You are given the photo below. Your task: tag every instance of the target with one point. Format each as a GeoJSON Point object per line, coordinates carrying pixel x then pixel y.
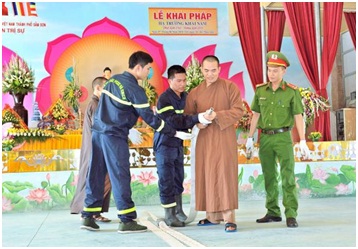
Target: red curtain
{"type": "Point", "coordinates": [332, 20]}
{"type": "Point", "coordinates": [249, 29]}
{"type": "Point", "coordinates": [301, 22]}
{"type": "Point", "coordinates": [275, 28]}
{"type": "Point", "coordinates": [351, 23]}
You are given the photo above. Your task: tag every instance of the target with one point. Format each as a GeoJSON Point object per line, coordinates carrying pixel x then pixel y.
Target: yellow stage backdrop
{"type": "Point", "coordinates": [62, 153]}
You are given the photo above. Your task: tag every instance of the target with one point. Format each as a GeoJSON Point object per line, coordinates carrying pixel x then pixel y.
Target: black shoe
{"type": "Point", "coordinates": [269, 218]}
{"type": "Point", "coordinates": [89, 224]}
{"type": "Point", "coordinates": [291, 222]}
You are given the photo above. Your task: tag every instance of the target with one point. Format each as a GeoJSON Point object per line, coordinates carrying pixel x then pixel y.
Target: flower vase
{"type": "Point", "coordinates": [241, 136]}
{"type": "Point", "coordinates": [316, 155]}
{"type": "Point", "coordinates": [19, 106]}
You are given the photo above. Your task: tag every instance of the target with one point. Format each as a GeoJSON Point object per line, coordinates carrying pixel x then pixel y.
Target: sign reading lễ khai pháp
{"type": "Point", "coordinates": [183, 21]}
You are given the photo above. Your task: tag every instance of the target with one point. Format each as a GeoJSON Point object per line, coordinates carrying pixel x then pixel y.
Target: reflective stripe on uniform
{"type": "Point", "coordinates": [169, 205]}
{"type": "Point", "coordinates": [92, 210]}
{"type": "Point", "coordinates": [116, 98]}
{"type": "Point", "coordinates": [126, 211]}
{"type": "Point", "coordinates": [167, 108]}
{"type": "Point", "coordinates": [161, 126]}
{"type": "Point", "coordinates": [179, 111]}
{"type": "Point", "coordinates": [141, 105]}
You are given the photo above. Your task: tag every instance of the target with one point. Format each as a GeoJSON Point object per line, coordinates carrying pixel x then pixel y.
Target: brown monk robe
{"type": "Point", "coordinates": [85, 156]}
{"type": "Point", "coordinates": [216, 167]}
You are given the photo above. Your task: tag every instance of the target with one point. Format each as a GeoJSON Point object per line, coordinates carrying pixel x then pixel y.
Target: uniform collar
{"type": "Point", "coordinates": [128, 74]}
{"type": "Point", "coordinates": [174, 94]}
{"type": "Point", "coordinates": [283, 85]}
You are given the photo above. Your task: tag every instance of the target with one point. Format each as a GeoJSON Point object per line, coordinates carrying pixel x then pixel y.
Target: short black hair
{"type": "Point", "coordinates": [141, 58]}
{"type": "Point", "coordinates": [98, 81]}
{"type": "Point", "coordinates": [107, 68]}
{"type": "Point", "coordinates": [210, 58]}
{"type": "Point", "coordinates": [174, 70]}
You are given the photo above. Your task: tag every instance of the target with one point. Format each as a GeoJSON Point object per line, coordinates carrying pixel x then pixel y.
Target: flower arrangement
{"type": "Point", "coordinates": [59, 128]}
{"type": "Point", "coordinates": [315, 136]}
{"type": "Point", "coordinates": [16, 136]}
{"type": "Point", "coordinates": [10, 116]}
{"type": "Point", "coordinates": [17, 77]}
{"type": "Point", "coordinates": [194, 76]}
{"type": "Point", "coordinates": [8, 144]}
{"type": "Point", "coordinates": [72, 91]}
{"type": "Point", "coordinates": [58, 113]}
{"type": "Point", "coordinates": [149, 91]}
{"type": "Point", "coordinates": [312, 103]}
{"type": "Point", "coordinates": [244, 123]}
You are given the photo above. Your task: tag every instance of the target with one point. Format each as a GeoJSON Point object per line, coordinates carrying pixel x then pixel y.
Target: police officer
{"type": "Point", "coordinates": [276, 108]}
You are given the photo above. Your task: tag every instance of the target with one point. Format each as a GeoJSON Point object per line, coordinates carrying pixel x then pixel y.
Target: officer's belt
{"type": "Point", "coordinates": [272, 132]}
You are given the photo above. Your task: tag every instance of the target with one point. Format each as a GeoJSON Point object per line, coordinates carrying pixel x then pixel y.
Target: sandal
{"type": "Point", "coordinates": [230, 225]}
{"type": "Point", "coordinates": [206, 222]}
{"type": "Point", "coordinates": [100, 218]}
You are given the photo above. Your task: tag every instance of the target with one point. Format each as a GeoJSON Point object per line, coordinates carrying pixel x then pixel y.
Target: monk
{"type": "Point", "coordinates": [216, 167]}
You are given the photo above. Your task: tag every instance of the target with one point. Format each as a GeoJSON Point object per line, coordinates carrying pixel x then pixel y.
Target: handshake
{"type": "Point", "coordinates": [205, 118]}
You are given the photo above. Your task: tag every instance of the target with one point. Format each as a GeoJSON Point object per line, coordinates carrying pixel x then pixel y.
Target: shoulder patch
{"type": "Point", "coordinates": [292, 86]}
{"type": "Point", "coordinates": [262, 84]}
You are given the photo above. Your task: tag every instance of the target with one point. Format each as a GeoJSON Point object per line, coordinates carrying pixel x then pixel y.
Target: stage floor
{"type": "Point", "coordinates": [323, 222]}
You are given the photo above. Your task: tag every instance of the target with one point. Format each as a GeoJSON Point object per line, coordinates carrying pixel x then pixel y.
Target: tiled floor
{"type": "Point", "coordinates": [326, 222]}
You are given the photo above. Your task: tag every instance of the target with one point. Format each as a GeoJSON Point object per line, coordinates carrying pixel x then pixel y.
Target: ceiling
{"type": "Point", "coordinates": [347, 6]}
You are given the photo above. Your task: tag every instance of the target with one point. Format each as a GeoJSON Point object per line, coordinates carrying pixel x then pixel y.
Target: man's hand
{"type": "Point", "coordinates": [135, 136]}
{"type": "Point", "coordinates": [203, 120]}
{"type": "Point", "coordinates": [184, 135]}
{"type": "Point", "coordinates": [201, 126]}
{"type": "Point", "coordinates": [305, 152]}
{"type": "Point", "coordinates": [210, 114]}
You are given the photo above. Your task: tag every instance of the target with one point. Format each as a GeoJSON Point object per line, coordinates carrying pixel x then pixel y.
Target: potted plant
{"type": "Point", "coordinates": [315, 136]}
{"type": "Point", "coordinates": [18, 80]}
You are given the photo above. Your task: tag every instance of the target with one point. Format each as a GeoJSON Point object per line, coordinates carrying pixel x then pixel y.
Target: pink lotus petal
{"type": "Point", "coordinates": [200, 54]}
{"type": "Point", "coordinates": [156, 50]}
{"type": "Point", "coordinates": [239, 81]}
{"type": "Point", "coordinates": [165, 84]}
{"type": "Point", "coordinates": [84, 94]}
{"type": "Point", "coordinates": [6, 55]}
{"type": "Point", "coordinates": [105, 26]}
{"type": "Point", "coordinates": [56, 47]}
{"type": "Point", "coordinates": [43, 98]}
{"type": "Point", "coordinates": [225, 68]}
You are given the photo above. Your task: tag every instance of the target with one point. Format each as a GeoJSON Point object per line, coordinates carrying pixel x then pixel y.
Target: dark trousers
{"type": "Point", "coordinates": [110, 154]}
{"type": "Point", "coordinates": [170, 169]}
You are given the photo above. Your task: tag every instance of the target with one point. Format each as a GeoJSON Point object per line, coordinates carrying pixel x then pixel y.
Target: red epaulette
{"type": "Point", "coordinates": [292, 86]}
{"type": "Point", "coordinates": [262, 84]}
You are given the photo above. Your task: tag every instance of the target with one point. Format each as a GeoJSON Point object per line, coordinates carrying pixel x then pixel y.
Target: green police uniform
{"type": "Point", "coordinates": [277, 110]}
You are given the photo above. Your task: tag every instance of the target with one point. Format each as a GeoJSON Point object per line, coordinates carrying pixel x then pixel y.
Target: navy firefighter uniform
{"type": "Point", "coordinates": [121, 103]}
{"type": "Point", "coordinates": [169, 150]}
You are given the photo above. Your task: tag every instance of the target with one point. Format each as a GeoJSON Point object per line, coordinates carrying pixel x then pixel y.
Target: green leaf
{"type": "Point", "coordinates": [302, 180]}
{"type": "Point", "coordinates": [44, 184]}
{"type": "Point", "coordinates": [15, 187]}
{"type": "Point", "coordinates": [349, 171]}
{"type": "Point", "coordinates": [333, 179]}
{"type": "Point", "coordinates": [241, 175]}
{"type": "Point", "coordinates": [251, 179]}
{"type": "Point", "coordinates": [259, 184]}
{"type": "Point", "coordinates": [344, 179]}
{"type": "Point", "coordinates": [21, 205]}
{"type": "Point", "coordinates": [56, 195]}
{"type": "Point", "coordinates": [69, 182]}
